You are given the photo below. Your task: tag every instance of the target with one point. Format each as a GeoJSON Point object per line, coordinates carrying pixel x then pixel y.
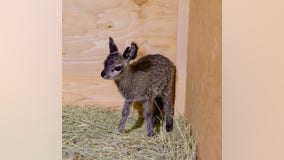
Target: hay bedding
{"type": "Point", "coordinates": [91, 133]}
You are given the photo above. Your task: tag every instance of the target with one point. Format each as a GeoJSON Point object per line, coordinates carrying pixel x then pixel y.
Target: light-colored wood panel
{"type": "Point", "coordinates": [181, 55]}
{"type": "Point", "coordinates": [204, 78]}
{"type": "Point", "coordinates": [86, 27]}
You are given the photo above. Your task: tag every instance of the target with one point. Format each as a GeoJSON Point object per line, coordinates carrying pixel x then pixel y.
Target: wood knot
{"type": "Point", "coordinates": [104, 26]}
{"type": "Point", "coordinates": [140, 3]}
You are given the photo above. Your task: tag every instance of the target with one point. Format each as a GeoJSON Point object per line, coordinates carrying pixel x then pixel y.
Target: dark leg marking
{"type": "Point", "coordinates": [125, 113]}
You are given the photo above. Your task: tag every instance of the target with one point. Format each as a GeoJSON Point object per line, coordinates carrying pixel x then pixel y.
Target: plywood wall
{"type": "Point", "coordinates": [86, 27]}
{"type": "Point", "coordinates": [204, 78]}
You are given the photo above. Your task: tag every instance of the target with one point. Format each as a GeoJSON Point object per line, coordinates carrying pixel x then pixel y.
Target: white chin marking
{"type": "Point", "coordinates": [106, 77]}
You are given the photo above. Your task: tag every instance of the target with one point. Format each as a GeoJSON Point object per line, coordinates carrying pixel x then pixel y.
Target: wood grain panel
{"type": "Point", "coordinates": [204, 78]}
{"type": "Point", "coordinates": [86, 27]}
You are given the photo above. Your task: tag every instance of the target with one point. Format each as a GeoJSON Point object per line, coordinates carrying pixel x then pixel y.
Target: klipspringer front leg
{"type": "Point", "coordinates": [148, 115]}
{"type": "Point", "coordinates": [125, 113]}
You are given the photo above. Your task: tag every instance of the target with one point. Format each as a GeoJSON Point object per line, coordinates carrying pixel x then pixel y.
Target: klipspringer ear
{"type": "Point", "coordinates": [112, 46]}
{"type": "Point", "coordinates": [130, 53]}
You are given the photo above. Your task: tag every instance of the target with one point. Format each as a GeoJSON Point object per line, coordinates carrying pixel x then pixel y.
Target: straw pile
{"type": "Point", "coordinates": [91, 133]}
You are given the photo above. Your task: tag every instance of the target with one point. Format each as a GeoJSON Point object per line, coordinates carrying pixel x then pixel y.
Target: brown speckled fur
{"type": "Point", "coordinates": [142, 81]}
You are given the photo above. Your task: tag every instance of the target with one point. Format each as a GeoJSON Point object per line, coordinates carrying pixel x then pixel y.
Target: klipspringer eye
{"type": "Point", "coordinates": [118, 68]}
